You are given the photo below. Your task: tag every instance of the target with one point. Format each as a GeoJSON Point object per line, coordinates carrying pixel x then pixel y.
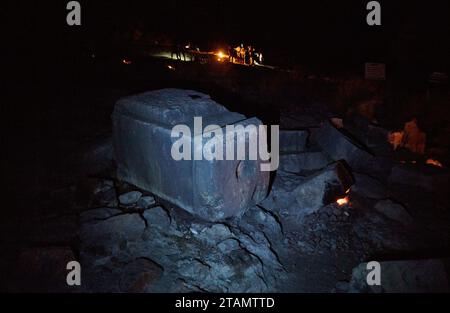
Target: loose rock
{"type": "Point", "coordinates": [130, 198]}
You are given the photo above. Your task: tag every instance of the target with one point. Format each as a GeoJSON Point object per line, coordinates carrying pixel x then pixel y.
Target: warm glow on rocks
{"type": "Point", "coordinates": [434, 162]}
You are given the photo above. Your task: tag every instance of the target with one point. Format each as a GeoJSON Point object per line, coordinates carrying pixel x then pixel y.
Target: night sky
{"type": "Point", "coordinates": [291, 32]}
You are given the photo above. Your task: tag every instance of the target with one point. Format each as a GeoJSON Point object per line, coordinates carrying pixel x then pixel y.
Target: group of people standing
{"type": "Point", "coordinates": [179, 51]}
{"type": "Point", "coordinates": [242, 54]}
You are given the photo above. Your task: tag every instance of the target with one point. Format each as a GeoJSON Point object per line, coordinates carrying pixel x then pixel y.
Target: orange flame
{"type": "Point", "coordinates": [342, 201]}
{"type": "Point", "coordinates": [434, 162]}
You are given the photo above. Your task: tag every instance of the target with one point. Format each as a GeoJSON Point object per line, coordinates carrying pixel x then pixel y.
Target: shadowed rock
{"type": "Point", "coordinates": [293, 196]}
{"type": "Point", "coordinates": [293, 140]}
{"type": "Point", "coordinates": [341, 146]}
{"type": "Point", "coordinates": [303, 162]}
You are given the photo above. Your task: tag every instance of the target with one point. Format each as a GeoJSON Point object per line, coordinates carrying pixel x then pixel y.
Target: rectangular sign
{"type": "Point", "coordinates": [375, 71]}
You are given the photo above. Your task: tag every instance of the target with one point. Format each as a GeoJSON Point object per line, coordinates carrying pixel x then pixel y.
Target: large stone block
{"type": "Point", "coordinates": [340, 145]}
{"type": "Point", "coordinates": [303, 162]}
{"type": "Point", "coordinates": [210, 189]}
{"type": "Point", "coordinates": [293, 140]}
{"type": "Point", "coordinates": [323, 188]}
{"type": "Point", "coordinates": [293, 196]}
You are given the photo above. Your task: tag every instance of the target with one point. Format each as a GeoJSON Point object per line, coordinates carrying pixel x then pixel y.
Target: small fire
{"type": "Point", "coordinates": [220, 56]}
{"type": "Point", "coordinates": [434, 162]}
{"type": "Point", "coordinates": [127, 62]}
{"type": "Point", "coordinates": [342, 201]}
{"type": "Point", "coordinates": [170, 67]}
{"type": "Point", "coordinates": [411, 138]}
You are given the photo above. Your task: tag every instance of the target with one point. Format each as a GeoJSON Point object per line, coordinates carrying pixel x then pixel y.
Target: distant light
{"type": "Point", "coordinates": [170, 67]}
{"type": "Point", "coordinates": [127, 62]}
{"type": "Point", "coordinates": [220, 56]}
{"type": "Point", "coordinates": [434, 162]}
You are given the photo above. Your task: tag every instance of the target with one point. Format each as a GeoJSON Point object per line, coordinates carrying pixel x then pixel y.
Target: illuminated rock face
{"type": "Point", "coordinates": [211, 189]}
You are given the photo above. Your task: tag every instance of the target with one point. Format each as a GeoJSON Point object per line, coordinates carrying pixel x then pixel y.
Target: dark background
{"type": "Point", "coordinates": [414, 35]}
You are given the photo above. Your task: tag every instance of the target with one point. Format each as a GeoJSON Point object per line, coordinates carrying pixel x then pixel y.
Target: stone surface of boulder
{"type": "Point", "coordinates": [211, 189]}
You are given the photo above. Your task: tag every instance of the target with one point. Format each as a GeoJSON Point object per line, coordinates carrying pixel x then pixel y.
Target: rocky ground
{"type": "Point", "coordinates": [299, 239]}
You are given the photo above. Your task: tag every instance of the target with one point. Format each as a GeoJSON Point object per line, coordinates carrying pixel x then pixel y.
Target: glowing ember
{"type": "Point", "coordinates": [342, 201]}
{"type": "Point", "coordinates": [127, 62]}
{"type": "Point", "coordinates": [434, 162]}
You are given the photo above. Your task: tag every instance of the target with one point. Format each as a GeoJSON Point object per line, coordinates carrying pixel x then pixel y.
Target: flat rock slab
{"type": "Point", "coordinates": [130, 197]}
{"type": "Point", "coordinates": [341, 146]}
{"type": "Point", "coordinates": [293, 140]}
{"type": "Point", "coordinates": [303, 162]}
{"type": "Point", "coordinates": [427, 177]}
{"type": "Point", "coordinates": [293, 196]}
{"type": "Point", "coordinates": [369, 187]}
{"type": "Point", "coordinates": [394, 211]}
